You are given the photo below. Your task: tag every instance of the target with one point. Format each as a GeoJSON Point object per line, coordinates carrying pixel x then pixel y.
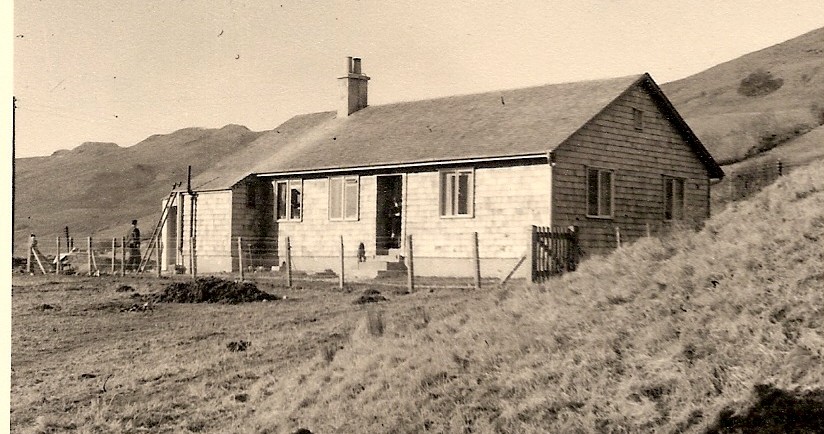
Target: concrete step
{"type": "Point", "coordinates": [377, 266]}
{"type": "Point", "coordinates": [391, 274]}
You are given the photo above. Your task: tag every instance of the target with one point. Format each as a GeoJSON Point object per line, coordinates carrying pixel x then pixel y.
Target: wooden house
{"type": "Point", "coordinates": [594, 154]}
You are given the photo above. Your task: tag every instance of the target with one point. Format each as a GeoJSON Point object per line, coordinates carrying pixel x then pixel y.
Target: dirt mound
{"type": "Point", "coordinates": [370, 296]}
{"type": "Point", "coordinates": [238, 346]}
{"type": "Point", "coordinates": [212, 290]}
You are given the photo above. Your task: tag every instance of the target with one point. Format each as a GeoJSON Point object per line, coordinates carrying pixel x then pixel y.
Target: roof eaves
{"type": "Point", "coordinates": [413, 164]}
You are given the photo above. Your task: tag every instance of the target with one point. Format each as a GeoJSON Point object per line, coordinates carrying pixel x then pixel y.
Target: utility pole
{"type": "Point", "coordinates": [13, 171]}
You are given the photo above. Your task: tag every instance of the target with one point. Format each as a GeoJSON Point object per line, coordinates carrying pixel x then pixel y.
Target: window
{"type": "Point", "coordinates": [344, 192]}
{"type": "Point", "coordinates": [673, 198]}
{"type": "Point", "coordinates": [599, 193]}
{"type": "Point", "coordinates": [289, 200]}
{"type": "Point", "coordinates": [638, 118]}
{"type": "Point", "coordinates": [457, 192]}
{"type": "Point", "coordinates": [251, 195]}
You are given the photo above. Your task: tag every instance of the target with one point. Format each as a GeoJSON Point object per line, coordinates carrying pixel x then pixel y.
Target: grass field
{"type": "Point", "coordinates": [720, 330]}
{"type": "Point", "coordinates": [169, 369]}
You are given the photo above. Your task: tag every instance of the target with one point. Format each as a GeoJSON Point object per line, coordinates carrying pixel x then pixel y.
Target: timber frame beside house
{"type": "Point", "coordinates": [592, 154]}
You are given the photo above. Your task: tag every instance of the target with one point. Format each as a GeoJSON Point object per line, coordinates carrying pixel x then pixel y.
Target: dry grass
{"type": "Point", "coordinates": [664, 335]}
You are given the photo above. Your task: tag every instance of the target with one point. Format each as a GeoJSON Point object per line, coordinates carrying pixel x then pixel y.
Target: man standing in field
{"type": "Point", "coordinates": [133, 243]}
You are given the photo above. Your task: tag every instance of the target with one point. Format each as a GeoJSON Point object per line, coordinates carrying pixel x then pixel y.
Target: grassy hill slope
{"type": "Point", "coordinates": [678, 334]}
{"type": "Point", "coordinates": [756, 100]}
{"type": "Point", "coordinates": [96, 189]}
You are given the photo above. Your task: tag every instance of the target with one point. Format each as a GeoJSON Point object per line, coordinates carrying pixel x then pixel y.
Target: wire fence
{"type": "Point", "coordinates": [389, 261]}
{"type": "Point", "coordinates": [419, 262]}
{"type": "Point", "coordinates": [742, 182]}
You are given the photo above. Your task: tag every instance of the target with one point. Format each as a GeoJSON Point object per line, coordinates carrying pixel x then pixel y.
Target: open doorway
{"type": "Point", "coordinates": [389, 213]}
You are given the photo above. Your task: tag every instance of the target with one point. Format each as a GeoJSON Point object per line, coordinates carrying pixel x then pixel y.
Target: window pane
{"type": "Point", "coordinates": [351, 195]}
{"type": "Point", "coordinates": [282, 204]}
{"type": "Point", "coordinates": [605, 193]}
{"type": "Point", "coordinates": [638, 118]}
{"type": "Point", "coordinates": [448, 194]}
{"type": "Point", "coordinates": [592, 192]}
{"type": "Point", "coordinates": [335, 198]}
{"type": "Point", "coordinates": [678, 198]}
{"type": "Point", "coordinates": [296, 199]}
{"type": "Point", "coordinates": [463, 194]}
{"type": "Point", "coordinates": [668, 195]}
{"type": "Point", "coordinates": [444, 195]}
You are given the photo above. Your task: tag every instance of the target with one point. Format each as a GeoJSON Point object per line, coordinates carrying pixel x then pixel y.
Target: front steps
{"type": "Point", "coordinates": [380, 266]}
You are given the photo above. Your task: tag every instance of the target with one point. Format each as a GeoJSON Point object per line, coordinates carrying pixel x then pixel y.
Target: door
{"type": "Point", "coordinates": [389, 213]}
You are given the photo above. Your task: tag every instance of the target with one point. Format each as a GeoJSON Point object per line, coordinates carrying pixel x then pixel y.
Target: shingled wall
{"type": "Point", "coordinates": [640, 159]}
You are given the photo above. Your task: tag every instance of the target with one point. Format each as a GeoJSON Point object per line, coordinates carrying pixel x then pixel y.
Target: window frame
{"type": "Point", "coordinates": [288, 212]}
{"type": "Point", "coordinates": [671, 201]}
{"type": "Point", "coordinates": [612, 177]}
{"type": "Point", "coordinates": [251, 195]}
{"type": "Point", "coordinates": [638, 118]}
{"type": "Point", "coordinates": [470, 196]}
{"type": "Point", "coordinates": [343, 196]}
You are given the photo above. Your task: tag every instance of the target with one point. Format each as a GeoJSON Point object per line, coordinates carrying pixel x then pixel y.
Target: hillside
{"type": "Point", "coordinates": [720, 329]}
{"type": "Point", "coordinates": [756, 100]}
{"type": "Point", "coordinates": [96, 189]}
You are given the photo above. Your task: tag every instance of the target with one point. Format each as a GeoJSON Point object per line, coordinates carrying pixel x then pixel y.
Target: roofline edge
{"type": "Point", "coordinates": [405, 165]}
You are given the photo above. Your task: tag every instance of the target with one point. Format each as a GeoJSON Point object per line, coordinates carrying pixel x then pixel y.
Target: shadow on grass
{"type": "Point", "coordinates": [776, 411]}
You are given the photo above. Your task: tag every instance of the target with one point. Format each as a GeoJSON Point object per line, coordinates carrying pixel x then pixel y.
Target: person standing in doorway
{"type": "Point", "coordinates": [133, 243]}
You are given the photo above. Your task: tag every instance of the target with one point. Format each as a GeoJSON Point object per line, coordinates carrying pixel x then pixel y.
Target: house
{"type": "Point", "coordinates": [594, 154]}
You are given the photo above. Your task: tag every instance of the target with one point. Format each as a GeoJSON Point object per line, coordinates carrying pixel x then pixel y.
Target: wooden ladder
{"type": "Point", "coordinates": [158, 230]}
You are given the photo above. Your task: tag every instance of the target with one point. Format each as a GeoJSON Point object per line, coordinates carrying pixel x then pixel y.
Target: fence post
{"type": "Point", "coordinates": [410, 265]}
{"type": "Point", "coordinates": [89, 242]}
{"type": "Point", "coordinates": [572, 255]}
{"type": "Point", "coordinates": [649, 233]}
{"type": "Point", "coordinates": [288, 262]}
{"type": "Point", "coordinates": [28, 257]}
{"type": "Point", "coordinates": [476, 260]}
{"type": "Point", "coordinates": [533, 240]}
{"type": "Point", "coordinates": [57, 258]}
{"type": "Point", "coordinates": [240, 258]}
{"type": "Point", "coordinates": [123, 256]}
{"type": "Point", "coordinates": [114, 254]}
{"type": "Point", "coordinates": [618, 237]}
{"type": "Point", "coordinates": [341, 278]}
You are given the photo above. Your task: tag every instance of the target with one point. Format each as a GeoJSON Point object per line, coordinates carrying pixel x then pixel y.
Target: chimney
{"type": "Point", "coordinates": [352, 88]}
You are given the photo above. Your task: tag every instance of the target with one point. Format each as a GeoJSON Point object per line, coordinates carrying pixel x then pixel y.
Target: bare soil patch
{"type": "Point", "coordinates": [370, 296]}
{"type": "Point", "coordinates": [213, 290]}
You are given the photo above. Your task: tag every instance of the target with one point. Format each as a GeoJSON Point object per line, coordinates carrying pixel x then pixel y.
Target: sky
{"type": "Point", "coordinates": [120, 71]}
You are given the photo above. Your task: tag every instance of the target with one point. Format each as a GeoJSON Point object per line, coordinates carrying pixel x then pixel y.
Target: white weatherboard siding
{"type": "Point", "coordinates": [213, 211]}
{"type": "Point", "coordinates": [213, 231]}
{"type": "Point", "coordinates": [507, 200]}
{"type": "Point", "coordinates": [315, 239]}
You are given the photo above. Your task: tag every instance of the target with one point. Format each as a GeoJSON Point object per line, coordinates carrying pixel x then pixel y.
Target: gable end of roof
{"type": "Point", "coordinates": [668, 109]}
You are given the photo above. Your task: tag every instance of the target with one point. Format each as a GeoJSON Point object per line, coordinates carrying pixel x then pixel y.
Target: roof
{"type": "Point", "coordinates": [229, 171]}
{"type": "Point", "coordinates": [508, 123]}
